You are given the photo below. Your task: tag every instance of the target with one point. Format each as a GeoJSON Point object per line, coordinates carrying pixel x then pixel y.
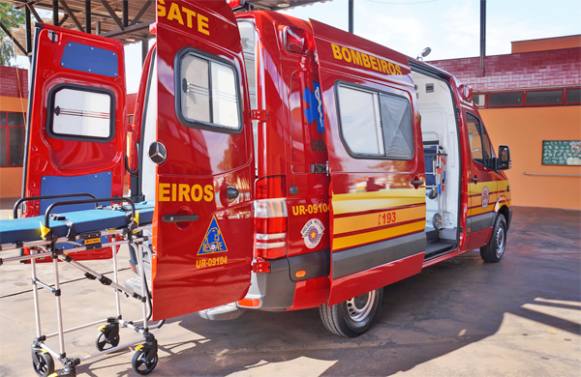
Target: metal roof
{"type": "Point", "coordinates": [122, 19]}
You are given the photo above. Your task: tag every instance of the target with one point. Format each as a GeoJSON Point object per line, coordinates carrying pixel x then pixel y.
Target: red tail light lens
{"type": "Point", "coordinates": [270, 187]}
{"type": "Point", "coordinates": [270, 218]}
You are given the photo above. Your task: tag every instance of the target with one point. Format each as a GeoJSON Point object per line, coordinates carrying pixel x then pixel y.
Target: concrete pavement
{"type": "Point", "coordinates": [521, 317]}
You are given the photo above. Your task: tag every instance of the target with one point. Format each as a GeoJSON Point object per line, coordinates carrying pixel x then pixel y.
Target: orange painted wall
{"type": "Point", "coordinates": [10, 182]}
{"type": "Point", "coordinates": [11, 177]}
{"type": "Point", "coordinates": [524, 129]}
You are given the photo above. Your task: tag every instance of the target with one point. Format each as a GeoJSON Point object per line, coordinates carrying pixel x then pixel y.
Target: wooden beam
{"type": "Point", "coordinates": [55, 12]}
{"type": "Point", "coordinates": [30, 6]}
{"type": "Point", "coordinates": [112, 14]}
{"type": "Point", "coordinates": [125, 13]}
{"type": "Point", "coordinates": [7, 32]}
{"type": "Point", "coordinates": [63, 19]}
{"type": "Point", "coordinates": [71, 14]}
{"type": "Point", "coordinates": [142, 11]}
{"type": "Point", "coordinates": [88, 16]}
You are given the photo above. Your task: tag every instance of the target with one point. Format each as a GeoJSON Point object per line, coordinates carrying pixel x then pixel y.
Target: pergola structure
{"type": "Point", "coordinates": [122, 19]}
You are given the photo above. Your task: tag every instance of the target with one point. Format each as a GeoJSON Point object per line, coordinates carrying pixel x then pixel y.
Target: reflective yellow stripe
{"type": "Point", "coordinates": [366, 201]}
{"type": "Point", "coordinates": [480, 210]}
{"type": "Point", "coordinates": [377, 235]}
{"type": "Point", "coordinates": [372, 220]}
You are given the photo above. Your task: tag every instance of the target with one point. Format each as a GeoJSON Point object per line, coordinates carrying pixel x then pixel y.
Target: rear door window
{"type": "Point", "coordinates": [78, 112]}
{"type": "Point", "coordinates": [209, 93]}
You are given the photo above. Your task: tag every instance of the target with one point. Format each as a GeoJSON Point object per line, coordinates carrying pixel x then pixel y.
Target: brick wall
{"type": "Point", "coordinates": [528, 70]}
{"type": "Point", "coordinates": [13, 82]}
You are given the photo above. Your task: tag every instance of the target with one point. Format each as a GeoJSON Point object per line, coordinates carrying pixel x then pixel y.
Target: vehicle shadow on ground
{"type": "Point", "coordinates": [447, 307]}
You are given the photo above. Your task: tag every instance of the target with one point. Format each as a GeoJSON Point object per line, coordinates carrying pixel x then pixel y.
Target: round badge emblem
{"type": "Point", "coordinates": [312, 233]}
{"type": "Point", "coordinates": [485, 197]}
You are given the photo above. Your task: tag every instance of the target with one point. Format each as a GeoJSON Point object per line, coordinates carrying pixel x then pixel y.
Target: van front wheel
{"type": "Point", "coordinates": [352, 317]}
{"type": "Point", "coordinates": [493, 251]}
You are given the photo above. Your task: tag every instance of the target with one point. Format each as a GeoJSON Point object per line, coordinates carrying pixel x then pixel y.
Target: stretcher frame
{"type": "Point", "coordinates": [145, 357]}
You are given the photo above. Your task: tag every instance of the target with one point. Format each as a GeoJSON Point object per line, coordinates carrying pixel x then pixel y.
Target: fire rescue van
{"type": "Point", "coordinates": [275, 164]}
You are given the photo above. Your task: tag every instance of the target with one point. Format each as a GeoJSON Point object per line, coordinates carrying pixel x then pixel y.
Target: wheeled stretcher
{"type": "Point", "coordinates": [58, 236]}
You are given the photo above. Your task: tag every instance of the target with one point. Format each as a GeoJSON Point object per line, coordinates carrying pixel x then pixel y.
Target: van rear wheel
{"type": "Point", "coordinates": [493, 251]}
{"type": "Point", "coordinates": [352, 317]}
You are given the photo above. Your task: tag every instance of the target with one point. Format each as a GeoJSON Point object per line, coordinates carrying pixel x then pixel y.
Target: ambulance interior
{"type": "Point", "coordinates": [442, 159]}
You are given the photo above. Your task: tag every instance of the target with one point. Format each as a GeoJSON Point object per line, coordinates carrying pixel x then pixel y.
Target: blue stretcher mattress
{"type": "Point", "coordinates": [93, 220]}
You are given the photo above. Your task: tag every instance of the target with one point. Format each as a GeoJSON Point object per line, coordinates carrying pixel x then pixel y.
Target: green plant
{"type": "Point", "coordinates": [10, 17]}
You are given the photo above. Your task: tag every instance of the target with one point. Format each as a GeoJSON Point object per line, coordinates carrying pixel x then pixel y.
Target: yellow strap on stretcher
{"type": "Point", "coordinates": [44, 231]}
{"type": "Point", "coordinates": [136, 218]}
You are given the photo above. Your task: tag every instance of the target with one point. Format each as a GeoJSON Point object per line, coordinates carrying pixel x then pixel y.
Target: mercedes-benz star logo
{"type": "Point", "coordinates": [157, 152]}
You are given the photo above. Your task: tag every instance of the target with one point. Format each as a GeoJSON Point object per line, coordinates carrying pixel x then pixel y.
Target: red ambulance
{"type": "Point", "coordinates": [293, 165]}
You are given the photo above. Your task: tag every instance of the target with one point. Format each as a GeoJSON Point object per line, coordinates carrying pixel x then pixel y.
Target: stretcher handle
{"type": "Point", "coordinates": [31, 198]}
{"type": "Point", "coordinates": [87, 201]}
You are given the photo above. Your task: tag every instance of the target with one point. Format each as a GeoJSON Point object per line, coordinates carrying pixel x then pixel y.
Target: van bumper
{"type": "Point", "coordinates": [275, 290]}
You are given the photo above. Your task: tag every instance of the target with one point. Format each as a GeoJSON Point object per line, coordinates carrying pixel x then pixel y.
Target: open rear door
{"type": "Point", "coordinates": [76, 122]}
{"type": "Point", "coordinates": [76, 129]}
{"type": "Point", "coordinates": [203, 210]}
{"type": "Point", "coordinates": [376, 169]}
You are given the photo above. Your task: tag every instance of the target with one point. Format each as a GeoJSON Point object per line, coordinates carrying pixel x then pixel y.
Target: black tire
{"type": "Point", "coordinates": [42, 362]}
{"type": "Point", "coordinates": [353, 317]}
{"type": "Point", "coordinates": [494, 250]}
{"type": "Point", "coordinates": [105, 342]}
{"type": "Point", "coordinates": [144, 361]}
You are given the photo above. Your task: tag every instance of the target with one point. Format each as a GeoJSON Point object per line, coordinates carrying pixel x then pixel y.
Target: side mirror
{"type": "Point", "coordinates": [503, 159]}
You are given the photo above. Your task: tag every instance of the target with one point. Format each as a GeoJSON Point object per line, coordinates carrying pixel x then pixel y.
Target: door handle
{"type": "Point", "coordinates": [417, 182]}
{"type": "Point", "coordinates": [179, 218]}
{"type": "Point", "coordinates": [232, 192]}
{"type": "Point", "coordinates": [475, 178]}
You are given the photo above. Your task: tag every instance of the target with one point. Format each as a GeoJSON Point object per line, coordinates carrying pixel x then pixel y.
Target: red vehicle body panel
{"type": "Point", "coordinates": [57, 164]}
{"type": "Point", "coordinates": [186, 278]}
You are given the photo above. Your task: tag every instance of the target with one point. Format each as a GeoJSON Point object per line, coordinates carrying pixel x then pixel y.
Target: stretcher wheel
{"type": "Point", "coordinates": [144, 359]}
{"type": "Point", "coordinates": [108, 337]}
{"type": "Point", "coordinates": [42, 362]}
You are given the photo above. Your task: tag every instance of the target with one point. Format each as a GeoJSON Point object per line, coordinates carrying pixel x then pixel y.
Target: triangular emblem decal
{"type": "Point", "coordinates": [213, 240]}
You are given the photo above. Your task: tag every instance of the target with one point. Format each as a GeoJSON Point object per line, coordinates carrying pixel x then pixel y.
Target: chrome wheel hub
{"type": "Point", "coordinates": [359, 308]}
{"type": "Point", "coordinates": [500, 242]}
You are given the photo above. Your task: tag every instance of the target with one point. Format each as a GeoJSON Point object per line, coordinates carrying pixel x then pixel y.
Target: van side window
{"type": "Point", "coordinates": [479, 142]}
{"type": "Point", "coordinates": [396, 119]}
{"type": "Point", "coordinates": [208, 92]}
{"type": "Point", "coordinates": [375, 124]}
{"type": "Point", "coordinates": [360, 124]}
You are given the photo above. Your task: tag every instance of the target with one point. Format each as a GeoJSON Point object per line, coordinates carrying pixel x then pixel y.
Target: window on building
{"type": "Point", "coordinates": [480, 100]}
{"type": "Point", "coordinates": [375, 124]}
{"type": "Point", "coordinates": [574, 96]}
{"type": "Point", "coordinates": [544, 97]}
{"type": "Point", "coordinates": [503, 99]}
{"type": "Point", "coordinates": [209, 93]}
{"type": "Point", "coordinates": [12, 137]}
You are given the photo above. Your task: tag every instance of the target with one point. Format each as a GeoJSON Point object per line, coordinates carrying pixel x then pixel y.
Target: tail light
{"type": "Point", "coordinates": [270, 218]}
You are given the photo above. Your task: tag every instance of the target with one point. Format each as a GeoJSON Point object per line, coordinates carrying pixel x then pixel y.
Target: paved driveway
{"type": "Point", "coordinates": [521, 317]}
